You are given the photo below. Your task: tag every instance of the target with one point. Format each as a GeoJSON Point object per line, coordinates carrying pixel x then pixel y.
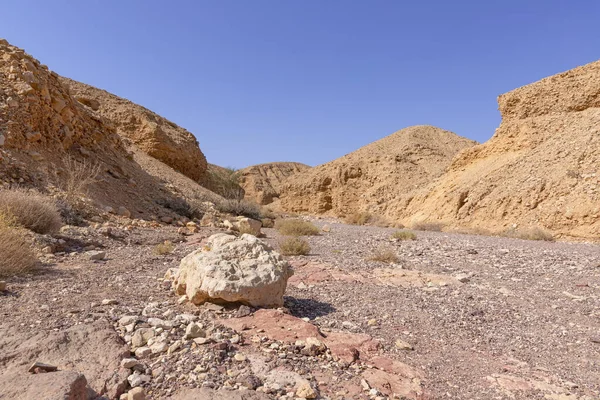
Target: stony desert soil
{"type": "Point", "coordinates": [486, 317]}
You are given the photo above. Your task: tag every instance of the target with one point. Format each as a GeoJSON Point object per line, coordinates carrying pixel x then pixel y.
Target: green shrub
{"type": "Point", "coordinates": [404, 235]}
{"type": "Point", "coordinates": [296, 227]}
{"type": "Point", "coordinates": [31, 210]}
{"type": "Point", "coordinates": [294, 246]}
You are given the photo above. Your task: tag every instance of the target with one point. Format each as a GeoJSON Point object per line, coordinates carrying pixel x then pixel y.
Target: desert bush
{"type": "Point", "coordinates": [296, 227]}
{"type": "Point", "coordinates": [164, 248]}
{"type": "Point", "coordinates": [404, 235]}
{"type": "Point", "coordinates": [384, 254]}
{"type": "Point", "coordinates": [294, 246]}
{"type": "Point", "coordinates": [428, 226]}
{"type": "Point", "coordinates": [31, 210]}
{"type": "Point", "coordinates": [239, 207]}
{"type": "Point", "coordinates": [16, 254]}
{"type": "Point", "coordinates": [359, 218]}
{"type": "Point", "coordinates": [534, 233]}
{"type": "Point", "coordinates": [76, 176]}
{"type": "Point", "coordinates": [267, 222]}
{"type": "Point", "coordinates": [225, 182]}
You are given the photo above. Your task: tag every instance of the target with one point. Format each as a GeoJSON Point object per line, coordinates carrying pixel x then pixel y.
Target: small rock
{"type": "Point", "coordinates": [136, 379]}
{"type": "Point", "coordinates": [39, 367]}
{"type": "Point", "coordinates": [128, 320]}
{"type": "Point", "coordinates": [402, 345]}
{"type": "Point", "coordinates": [129, 362]}
{"type": "Point", "coordinates": [2, 286]}
{"type": "Point", "coordinates": [463, 278]}
{"type": "Point", "coordinates": [194, 330]}
{"type": "Point", "coordinates": [304, 390]}
{"type": "Point", "coordinates": [109, 302]}
{"type": "Point", "coordinates": [326, 228]}
{"type": "Point", "coordinates": [159, 347]}
{"type": "Point", "coordinates": [96, 255]}
{"type": "Point", "coordinates": [239, 357]}
{"type": "Point", "coordinates": [137, 393]}
{"type": "Point", "coordinates": [143, 352]}
{"type": "Point", "coordinates": [122, 211]}
{"type": "Point", "coordinates": [372, 322]}
{"type": "Point", "coordinates": [243, 311]}
{"type": "Point", "coordinates": [202, 340]}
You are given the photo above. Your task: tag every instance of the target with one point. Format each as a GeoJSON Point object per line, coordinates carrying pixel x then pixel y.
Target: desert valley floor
{"type": "Point", "coordinates": [458, 317]}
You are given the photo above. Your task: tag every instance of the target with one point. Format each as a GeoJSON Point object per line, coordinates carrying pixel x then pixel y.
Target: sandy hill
{"type": "Point", "coordinates": [151, 133]}
{"type": "Point", "coordinates": [262, 183]}
{"type": "Point", "coordinates": [540, 169]}
{"type": "Point", "coordinates": [379, 178]}
{"type": "Point", "coordinates": [42, 125]}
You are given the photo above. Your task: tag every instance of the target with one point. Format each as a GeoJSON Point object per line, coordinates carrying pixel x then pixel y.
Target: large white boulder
{"type": "Point", "coordinates": [230, 269]}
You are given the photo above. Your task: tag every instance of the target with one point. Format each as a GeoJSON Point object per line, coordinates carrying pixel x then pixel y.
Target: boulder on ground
{"type": "Point", "coordinates": [248, 225]}
{"type": "Point", "coordinates": [237, 270]}
{"type": "Point", "coordinates": [68, 385]}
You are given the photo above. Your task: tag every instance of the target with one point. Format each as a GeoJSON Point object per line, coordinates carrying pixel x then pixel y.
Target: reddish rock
{"type": "Point", "coordinates": [348, 347]}
{"type": "Point", "coordinates": [276, 325]}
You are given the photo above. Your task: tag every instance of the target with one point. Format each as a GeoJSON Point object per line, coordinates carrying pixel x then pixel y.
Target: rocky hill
{"type": "Point", "coordinates": [44, 129]}
{"type": "Point", "coordinates": [380, 177]}
{"type": "Point", "coordinates": [540, 169]}
{"type": "Point", "coordinates": [151, 133]}
{"type": "Point", "coordinates": [262, 183]}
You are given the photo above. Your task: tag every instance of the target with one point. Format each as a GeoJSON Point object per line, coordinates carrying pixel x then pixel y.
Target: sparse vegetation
{"type": "Point", "coordinates": [404, 235]}
{"type": "Point", "coordinates": [294, 246]}
{"type": "Point", "coordinates": [30, 210]}
{"type": "Point", "coordinates": [76, 177]}
{"type": "Point", "coordinates": [225, 182]}
{"type": "Point", "coordinates": [296, 227]}
{"type": "Point", "coordinates": [164, 248]}
{"type": "Point", "coordinates": [267, 222]}
{"type": "Point", "coordinates": [359, 218]}
{"type": "Point", "coordinates": [428, 226]}
{"type": "Point", "coordinates": [16, 255]}
{"type": "Point", "coordinates": [533, 233]}
{"type": "Point", "coordinates": [239, 207]}
{"type": "Point", "coordinates": [384, 254]}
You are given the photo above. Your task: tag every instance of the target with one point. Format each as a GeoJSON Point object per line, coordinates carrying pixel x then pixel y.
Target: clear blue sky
{"type": "Point", "coordinates": [307, 80]}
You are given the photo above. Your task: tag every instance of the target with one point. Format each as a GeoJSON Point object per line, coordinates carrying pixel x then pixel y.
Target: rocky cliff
{"type": "Point", "coordinates": [151, 133]}
{"type": "Point", "coordinates": [262, 183]}
{"type": "Point", "coordinates": [380, 177]}
{"type": "Point", "coordinates": [540, 169]}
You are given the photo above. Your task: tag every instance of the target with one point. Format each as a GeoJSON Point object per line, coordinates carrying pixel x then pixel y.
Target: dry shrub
{"type": "Point", "coordinates": [77, 176]}
{"type": "Point", "coordinates": [294, 246]}
{"type": "Point", "coordinates": [384, 254]}
{"type": "Point", "coordinates": [239, 207]}
{"type": "Point", "coordinates": [164, 248]}
{"type": "Point", "coordinates": [474, 231]}
{"type": "Point", "coordinates": [31, 210]}
{"type": "Point", "coordinates": [404, 235]}
{"type": "Point", "coordinates": [428, 226]}
{"type": "Point", "coordinates": [534, 233]}
{"type": "Point", "coordinates": [16, 254]}
{"type": "Point", "coordinates": [296, 227]}
{"type": "Point", "coordinates": [359, 218]}
{"type": "Point", "coordinates": [267, 222]}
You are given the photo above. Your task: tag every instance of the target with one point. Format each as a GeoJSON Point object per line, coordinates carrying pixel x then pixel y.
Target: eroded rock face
{"type": "Point", "coordinates": [262, 183]}
{"type": "Point", "coordinates": [153, 134]}
{"type": "Point", "coordinates": [230, 269]}
{"type": "Point", "coordinates": [380, 178]}
{"type": "Point", "coordinates": [540, 169]}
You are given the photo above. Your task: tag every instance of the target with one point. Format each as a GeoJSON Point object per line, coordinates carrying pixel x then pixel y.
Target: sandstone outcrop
{"type": "Point", "coordinates": [151, 133]}
{"type": "Point", "coordinates": [378, 178]}
{"type": "Point", "coordinates": [262, 183]}
{"type": "Point", "coordinates": [540, 169]}
{"type": "Point", "coordinates": [230, 269]}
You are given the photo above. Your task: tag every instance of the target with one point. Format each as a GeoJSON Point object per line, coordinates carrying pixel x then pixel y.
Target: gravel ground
{"type": "Point", "coordinates": [488, 317]}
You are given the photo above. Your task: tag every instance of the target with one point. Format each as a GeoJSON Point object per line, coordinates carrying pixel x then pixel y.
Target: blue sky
{"type": "Point", "coordinates": [307, 80]}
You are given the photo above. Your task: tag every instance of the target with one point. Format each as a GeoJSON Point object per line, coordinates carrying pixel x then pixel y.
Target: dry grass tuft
{"type": "Point", "coordinates": [404, 235]}
{"type": "Point", "coordinates": [534, 233]}
{"type": "Point", "coordinates": [384, 254]}
{"type": "Point", "coordinates": [31, 210]}
{"type": "Point", "coordinates": [428, 226]}
{"type": "Point", "coordinates": [164, 248]}
{"type": "Point", "coordinates": [296, 227]}
{"type": "Point", "coordinates": [359, 218]}
{"type": "Point", "coordinates": [76, 177]}
{"type": "Point", "coordinates": [294, 246]}
{"type": "Point", "coordinates": [16, 254]}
